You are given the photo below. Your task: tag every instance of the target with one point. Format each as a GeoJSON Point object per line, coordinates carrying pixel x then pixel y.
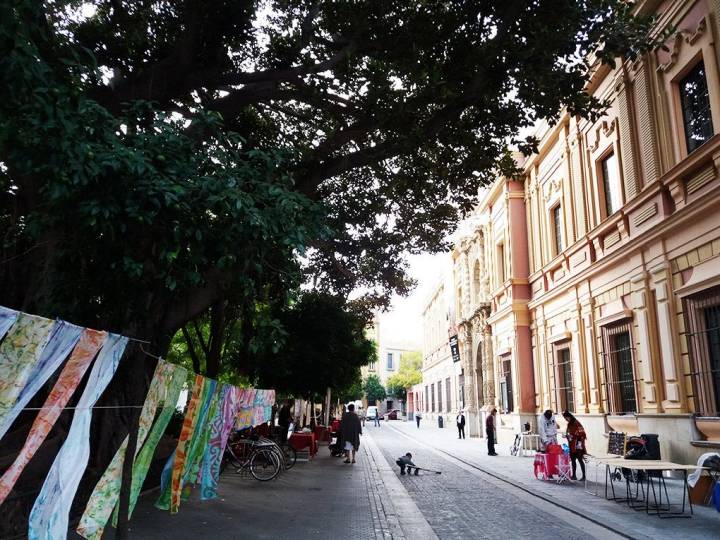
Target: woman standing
{"type": "Point", "coordinates": [576, 437]}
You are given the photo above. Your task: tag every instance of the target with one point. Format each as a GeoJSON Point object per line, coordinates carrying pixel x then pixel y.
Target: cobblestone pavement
{"type": "Point", "coordinates": [461, 504]}
{"type": "Point", "coordinates": [637, 524]}
{"type": "Point", "coordinates": [322, 498]}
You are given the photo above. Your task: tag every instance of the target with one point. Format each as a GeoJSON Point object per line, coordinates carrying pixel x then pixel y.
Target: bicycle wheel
{"type": "Point", "coordinates": [264, 465]}
{"type": "Point", "coordinates": [290, 456]}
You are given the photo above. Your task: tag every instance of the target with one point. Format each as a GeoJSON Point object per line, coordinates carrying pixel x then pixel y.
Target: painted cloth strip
{"type": "Point", "coordinates": [195, 457]}
{"type": "Point", "coordinates": [177, 459]}
{"type": "Point", "coordinates": [90, 343]}
{"type": "Point", "coordinates": [107, 491]}
{"type": "Point", "coordinates": [201, 428]}
{"type": "Point", "coordinates": [222, 425]}
{"type": "Point", "coordinates": [63, 338]}
{"type": "Point", "coordinates": [19, 353]}
{"type": "Point", "coordinates": [50, 514]}
{"type": "Point", "coordinates": [143, 460]}
{"type": "Point", "coordinates": [7, 319]}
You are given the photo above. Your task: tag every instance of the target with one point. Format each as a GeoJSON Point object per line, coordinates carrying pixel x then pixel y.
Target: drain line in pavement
{"type": "Point", "coordinates": [515, 485]}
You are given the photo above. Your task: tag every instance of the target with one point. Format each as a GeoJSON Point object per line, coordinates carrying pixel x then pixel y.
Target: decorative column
{"type": "Point", "coordinates": [675, 399]}
{"type": "Point", "coordinates": [645, 349]}
{"type": "Point", "coordinates": [576, 354]}
{"type": "Point", "coordinates": [591, 354]}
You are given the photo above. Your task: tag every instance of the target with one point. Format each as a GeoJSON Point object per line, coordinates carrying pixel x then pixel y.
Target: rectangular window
{"type": "Point", "coordinates": [502, 277]}
{"type": "Point", "coordinates": [564, 392]}
{"type": "Point", "coordinates": [448, 401]}
{"type": "Point", "coordinates": [702, 312]}
{"type": "Point", "coordinates": [427, 400]}
{"type": "Point", "coordinates": [371, 366]}
{"type": "Point", "coordinates": [611, 185]}
{"type": "Point", "coordinates": [619, 372]}
{"type": "Point", "coordinates": [432, 397]}
{"type": "Point", "coordinates": [695, 103]}
{"type": "Point", "coordinates": [461, 387]}
{"type": "Point", "coordinates": [439, 388]}
{"type": "Point", "coordinates": [557, 228]}
{"type": "Point", "coordinates": [390, 361]}
{"type": "Point", "coordinates": [506, 390]}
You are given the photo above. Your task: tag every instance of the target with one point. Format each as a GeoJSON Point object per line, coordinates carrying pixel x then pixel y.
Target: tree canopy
{"type": "Point", "coordinates": [164, 161]}
{"type": "Point", "coordinates": [374, 389]}
{"type": "Point", "coordinates": [407, 376]}
{"type": "Point", "coordinates": [325, 346]}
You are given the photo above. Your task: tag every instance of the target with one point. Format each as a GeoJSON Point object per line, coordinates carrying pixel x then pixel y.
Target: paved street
{"type": "Point", "coordinates": [371, 500]}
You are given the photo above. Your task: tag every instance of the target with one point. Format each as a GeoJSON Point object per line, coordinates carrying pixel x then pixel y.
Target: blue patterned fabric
{"type": "Point", "coordinates": [7, 319]}
{"type": "Point", "coordinates": [50, 515]}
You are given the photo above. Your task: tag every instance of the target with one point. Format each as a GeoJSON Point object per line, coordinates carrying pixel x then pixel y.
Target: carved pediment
{"type": "Point", "coordinates": [678, 40]}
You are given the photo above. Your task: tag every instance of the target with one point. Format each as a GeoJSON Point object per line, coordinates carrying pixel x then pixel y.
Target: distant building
{"type": "Point", "coordinates": [389, 351]}
{"type": "Point", "coordinates": [440, 393]}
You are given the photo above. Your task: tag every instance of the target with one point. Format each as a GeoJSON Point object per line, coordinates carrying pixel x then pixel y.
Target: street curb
{"type": "Point", "coordinates": [404, 517]}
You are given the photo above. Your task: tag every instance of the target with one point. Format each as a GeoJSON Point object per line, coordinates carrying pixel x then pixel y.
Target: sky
{"type": "Point", "coordinates": [404, 321]}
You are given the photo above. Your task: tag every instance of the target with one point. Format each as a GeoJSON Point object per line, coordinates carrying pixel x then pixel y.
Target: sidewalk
{"type": "Point", "coordinates": [321, 498]}
{"type": "Point", "coordinates": [519, 471]}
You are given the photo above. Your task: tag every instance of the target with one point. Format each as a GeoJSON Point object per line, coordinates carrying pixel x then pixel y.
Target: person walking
{"type": "Point", "coordinates": [418, 417]}
{"type": "Point", "coordinates": [460, 421]}
{"type": "Point", "coordinates": [490, 432]}
{"type": "Point", "coordinates": [377, 418]}
{"type": "Point", "coordinates": [363, 414]}
{"type": "Point", "coordinates": [350, 431]}
{"type": "Point", "coordinates": [576, 437]}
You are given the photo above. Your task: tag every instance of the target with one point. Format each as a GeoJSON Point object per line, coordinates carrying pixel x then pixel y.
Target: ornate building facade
{"type": "Point", "coordinates": [594, 284]}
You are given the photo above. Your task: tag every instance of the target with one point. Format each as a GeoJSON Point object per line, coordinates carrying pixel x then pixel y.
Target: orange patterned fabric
{"type": "Point", "coordinates": [90, 343]}
{"type": "Point", "coordinates": [170, 497]}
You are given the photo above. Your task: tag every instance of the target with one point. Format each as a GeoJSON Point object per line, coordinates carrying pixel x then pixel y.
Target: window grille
{"type": "Point", "coordinates": [439, 392]}
{"type": "Point", "coordinates": [506, 389]}
{"type": "Point", "coordinates": [702, 313]}
{"type": "Point", "coordinates": [695, 103]}
{"type": "Point", "coordinates": [448, 401]}
{"type": "Point", "coordinates": [562, 367]}
{"type": "Point", "coordinates": [619, 368]}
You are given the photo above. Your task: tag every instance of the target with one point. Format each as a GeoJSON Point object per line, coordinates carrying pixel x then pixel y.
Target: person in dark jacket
{"type": "Point", "coordinates": [418, 417]}
{"type": "Point", "coordinates": [284, 419]}
{"type": "Point", "coordinates": [406, 461]}
{"type": "Point", "coordinates": [460, 421]}
{"type": "Point", "coordinates": [490, 432]}
{"type": "Point", "coordinates": [350, 431]}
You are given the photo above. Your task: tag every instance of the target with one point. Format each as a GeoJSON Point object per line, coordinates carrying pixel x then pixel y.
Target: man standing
{"type": "Point", "coordinates": [284, 419]}
{"type": "Point", "coordinates": [460, 421]}
{"type": "Point", "coordinates": [377, 418]}
{"type": "Point", "coordinates": [490, 432]}
{"type": "Point", "coordinates": [418, 417]}
{"type": "Point", "coordinates": [350, 430]}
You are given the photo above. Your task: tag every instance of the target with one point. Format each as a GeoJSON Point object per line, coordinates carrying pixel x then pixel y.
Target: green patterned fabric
{"type": "Point", "coordinates": [175, 382]}
{"type": "Point", "coordinates": [19, 353]}
{"type": "Point", "coordinates": [107, 491]}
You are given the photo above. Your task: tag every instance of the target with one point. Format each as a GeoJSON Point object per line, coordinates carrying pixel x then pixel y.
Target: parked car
{"type": "Point", "coordinates": [372, 412]}
{"type": "Point", "coordinates": [393, 414]}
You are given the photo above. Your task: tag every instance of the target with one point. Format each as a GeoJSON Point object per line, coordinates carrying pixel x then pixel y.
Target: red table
{"type": "Point", "coordinates": [300, 441]}
{"type": "Point", "coordinates": [321, 433]}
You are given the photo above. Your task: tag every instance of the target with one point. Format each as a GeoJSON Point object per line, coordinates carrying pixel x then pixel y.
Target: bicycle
{"type": "Point", "coordinates": [260, 459]}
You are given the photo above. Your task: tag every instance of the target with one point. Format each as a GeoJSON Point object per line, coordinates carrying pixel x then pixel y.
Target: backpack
{"type": "Point", "coordinates": [636, 448]}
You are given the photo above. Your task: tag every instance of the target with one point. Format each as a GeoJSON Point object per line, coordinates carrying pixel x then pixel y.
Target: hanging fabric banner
{"type": "Point", "coordinates": [50, 514]}
{"type": "Point", "coordinates": [63, 338]}
{"type": "Point", "coordinates": [198, 438]}
{"type": "Point", "coordinates": [193, 467]}
{"type": "Point", "coordinates": [90, 343]}
{"type": "Point", "coordinates": [7, 319]}
{"type": "Point", "coordinates": [178, 377]}
{"type": "Point", "coordinates": [223, 423]}
{"type": "Point", "coordinates": [19, 353]}
{"type": "Point", "coordinates": [107, 491]}
{"type": "Point", "coordinates": [174, 467]}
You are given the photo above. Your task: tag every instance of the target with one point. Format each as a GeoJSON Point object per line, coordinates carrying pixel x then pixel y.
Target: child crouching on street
{"type": "Point", "coordinates": [406, 462]}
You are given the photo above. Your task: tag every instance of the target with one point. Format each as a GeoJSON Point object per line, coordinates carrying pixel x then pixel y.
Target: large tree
{"type": "Point", "coordinates": [160, 161]}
